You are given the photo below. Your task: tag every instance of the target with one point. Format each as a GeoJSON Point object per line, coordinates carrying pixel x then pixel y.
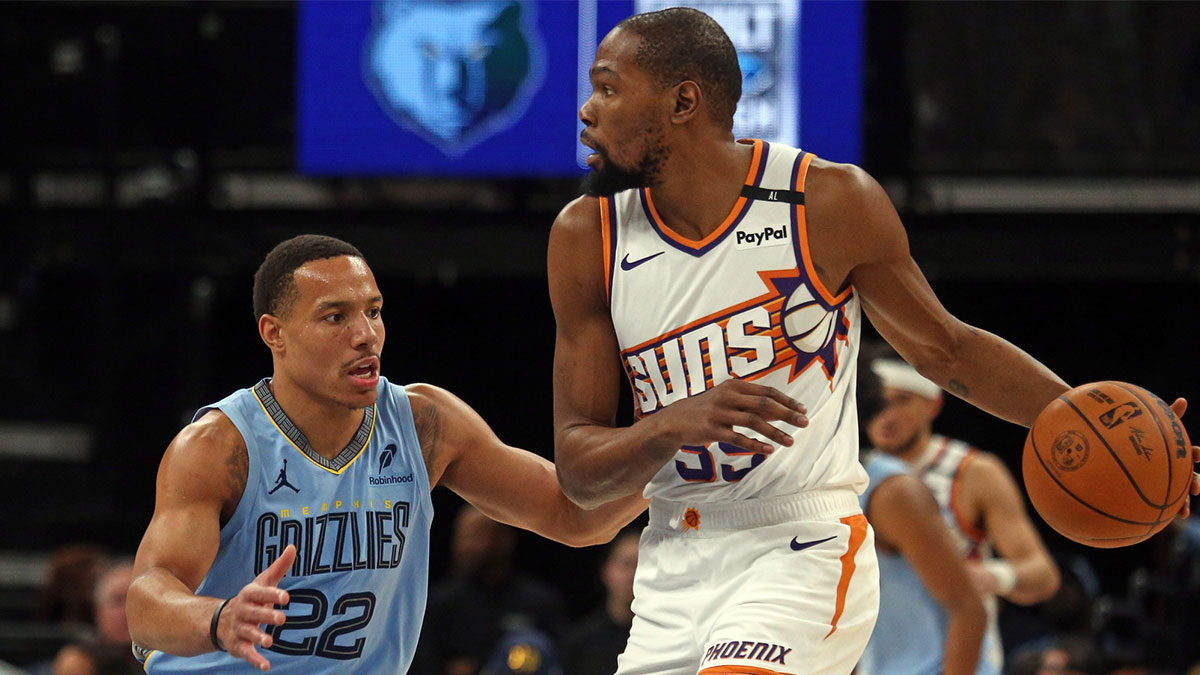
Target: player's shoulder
{"type": "Point", "coordinates": [901, 496]}
{"type": "Point", "coordinates": [985, 470]}
{"type": "Point", "coordinates": [437, 411]}
{"type": "Point", "coordinates": [209, 435]}
{"type": "Point", "coordinates": [575, 262]}
{"type": "Point", "coordinates": [209, 457]}
{"type": "Point", "coordinates": [839, 180]}
{"type": "Point", "coordinates": [423, 395]}
{"type": "Point", "coordinates": [580, 215]}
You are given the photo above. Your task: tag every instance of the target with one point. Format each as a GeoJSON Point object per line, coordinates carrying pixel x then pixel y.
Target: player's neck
{"type": "Point", "coordinates": [700, 184]}
{"type": "Point", "coordinates": [326, 424]}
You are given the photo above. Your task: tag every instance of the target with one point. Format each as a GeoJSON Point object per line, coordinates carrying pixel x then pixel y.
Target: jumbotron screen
{"type": "Point", "coordinates": [492, 88]}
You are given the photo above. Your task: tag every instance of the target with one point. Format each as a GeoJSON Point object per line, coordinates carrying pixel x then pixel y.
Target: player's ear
{"type": "Point", "coordinates": [686, 101]}
{"type": "Point", "coordinates": [270, 329]}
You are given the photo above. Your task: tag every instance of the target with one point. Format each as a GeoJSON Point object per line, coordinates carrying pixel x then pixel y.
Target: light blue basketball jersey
{"type": "Point", "coordinates": [910, 633]}
{"type": "Point", "coordinates": [360, 523]}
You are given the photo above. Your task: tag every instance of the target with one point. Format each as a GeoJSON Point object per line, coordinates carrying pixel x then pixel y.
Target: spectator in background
{"type": "Point", "coordinates": [1056, 660]}
{"type": "Point", "coordinates": [67, 595]}
{"type": "Point", "coordinates": [525, 652]}
{"type": "Point", "coordinates": [483, 600]}
{"type": "Point", "coordinates": [107, 651]}
{"type": "Point", "coordinates": [593, 645]}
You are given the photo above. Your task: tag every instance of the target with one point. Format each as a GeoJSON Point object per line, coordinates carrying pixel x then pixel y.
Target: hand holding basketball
{"type": "Point", "coordinates": [1179, 407]}
{"type": "Point", "coordinates": [1109, 464]}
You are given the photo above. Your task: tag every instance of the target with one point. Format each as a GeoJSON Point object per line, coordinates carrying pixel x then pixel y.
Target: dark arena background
{"type": "Point", "coordinates": [1045, 158]}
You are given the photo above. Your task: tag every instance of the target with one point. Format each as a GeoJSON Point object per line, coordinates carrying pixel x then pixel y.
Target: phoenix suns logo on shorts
{"type": "Point", "coordinates": [1070, 451]}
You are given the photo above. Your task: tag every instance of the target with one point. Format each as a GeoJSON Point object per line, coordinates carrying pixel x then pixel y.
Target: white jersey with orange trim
{"type": "Point", "coordinates": [743, 302]}
{"type": "Point", "coordinates": [939, 466]}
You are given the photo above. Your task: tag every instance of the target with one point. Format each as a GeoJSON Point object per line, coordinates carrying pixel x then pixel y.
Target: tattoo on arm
{"type": "Point", "coordinates": [237, 469]}
{"type": "Point", "coordinates": [958, 389]}
{"type": "Point", "coordinates": [428, 420]}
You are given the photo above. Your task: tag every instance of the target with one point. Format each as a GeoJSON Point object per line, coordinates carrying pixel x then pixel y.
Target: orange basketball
{"type": "Point", "coordinates": [1107, 464]}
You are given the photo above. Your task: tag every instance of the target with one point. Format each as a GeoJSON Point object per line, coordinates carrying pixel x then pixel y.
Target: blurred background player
{"type": "Point", "coordinates": [978, 499]}
{"type": "Point", "coordinates": [483, 600]}
{"type": "Point", "coordinates": [593, 645]}
{"type": "Point", "coordinates": [924, 585]}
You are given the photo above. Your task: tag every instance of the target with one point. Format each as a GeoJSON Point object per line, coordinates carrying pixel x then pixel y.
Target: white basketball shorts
{"type": "Point", "coordinates": [781, 585]}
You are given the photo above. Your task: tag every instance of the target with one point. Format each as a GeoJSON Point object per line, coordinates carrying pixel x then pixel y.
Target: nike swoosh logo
{"type": "Point", "coordinates": [627, 265]}
{"type": "Point", "coordinates": [798, 546]}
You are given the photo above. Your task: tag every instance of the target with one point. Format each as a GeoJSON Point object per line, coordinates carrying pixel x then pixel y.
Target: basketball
{"type": "Point", "coordinates": [1107, 464]}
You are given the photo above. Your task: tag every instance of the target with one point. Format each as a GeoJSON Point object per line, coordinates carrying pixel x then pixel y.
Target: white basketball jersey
{"type": "Point", "coordinates": [744, 302]}
{"type": "Point", "coordinates": [940, 466]}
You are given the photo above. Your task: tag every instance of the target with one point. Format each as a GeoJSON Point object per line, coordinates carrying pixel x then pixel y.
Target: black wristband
{"type": "Point", "coordinates": [212, 627]}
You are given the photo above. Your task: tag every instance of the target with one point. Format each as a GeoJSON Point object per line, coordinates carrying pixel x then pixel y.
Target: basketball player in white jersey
{"type": "Point", "coordinates": [339, 537]}
{"type": "Point", "coordinates": [728, 280]}
{"type": "Point", "coordinates": [980, 504]}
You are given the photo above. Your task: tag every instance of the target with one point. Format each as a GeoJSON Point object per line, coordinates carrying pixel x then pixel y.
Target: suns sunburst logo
{"type": "Point", "coordinates": [787, 327]}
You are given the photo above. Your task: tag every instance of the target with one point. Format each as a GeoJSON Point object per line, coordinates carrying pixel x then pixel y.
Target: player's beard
{"type": "Point", "coordinates": [610, 178]}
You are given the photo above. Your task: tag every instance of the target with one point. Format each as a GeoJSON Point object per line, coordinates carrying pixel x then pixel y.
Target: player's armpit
{"type": "Point", "coordinates": [511, 485]}
{"type": "Point", "coordinates": [906, 517]}
{"type": "Point", "coordinates": [987, 484]}
{"type": "Point", "coordinates": [197, 481]}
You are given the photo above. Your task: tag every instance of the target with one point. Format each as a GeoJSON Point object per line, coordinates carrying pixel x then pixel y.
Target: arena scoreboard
{"type": "Point", "coordinates": [491, 88]}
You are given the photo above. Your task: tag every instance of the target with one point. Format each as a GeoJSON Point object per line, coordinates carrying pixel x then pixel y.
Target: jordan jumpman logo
{"type": "Point", "coordinates": [282, 480]}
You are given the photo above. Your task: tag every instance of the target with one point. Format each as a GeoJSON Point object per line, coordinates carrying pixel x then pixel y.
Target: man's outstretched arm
{"type": "Point", "coordinates": [507, 484]}
{"type": "Point", "coordinates": [859, 239]}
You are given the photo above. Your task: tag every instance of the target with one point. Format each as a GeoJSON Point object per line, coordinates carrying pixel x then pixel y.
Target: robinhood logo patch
{"type": "Point", "coordinates": [454, 72]}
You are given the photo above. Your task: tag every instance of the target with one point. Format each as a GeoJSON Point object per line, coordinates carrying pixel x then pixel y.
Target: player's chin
{"type": "Point", "coordinates": [359, 393]}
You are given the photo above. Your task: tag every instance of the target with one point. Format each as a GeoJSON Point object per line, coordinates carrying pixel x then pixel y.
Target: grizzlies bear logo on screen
{"type": "Point", "coordinates": [454, 72]}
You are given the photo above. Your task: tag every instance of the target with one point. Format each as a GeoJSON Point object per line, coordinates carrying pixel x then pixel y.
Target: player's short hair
{"type": "Point", "coordinates": [680, 44]}
{"type": "Point", "coordinates": [274, 282]}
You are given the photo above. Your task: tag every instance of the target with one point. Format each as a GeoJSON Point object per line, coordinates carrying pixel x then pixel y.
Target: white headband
{"type": "Point", "coordinates": [900, 375]}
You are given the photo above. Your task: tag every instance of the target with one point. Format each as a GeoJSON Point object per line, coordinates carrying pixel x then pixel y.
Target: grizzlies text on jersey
{"type": "Point", "coordinates": [360, 524]}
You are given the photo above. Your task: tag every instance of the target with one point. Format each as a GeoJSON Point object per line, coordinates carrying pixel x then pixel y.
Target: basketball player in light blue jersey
{"type": "Point", "coordinates": [291, 524]}
{"type": "Point", "coordinates": [981, 507]}
{"type": "Point", "coordinates": [921, 576]}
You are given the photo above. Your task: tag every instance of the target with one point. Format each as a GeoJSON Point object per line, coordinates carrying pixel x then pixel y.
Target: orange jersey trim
{"type": "Point", "coordinates": [858, 534]}
{"type": "Point", "coordinates": [738, 670]}
{"type": "Point", "coordinates": [738, 207]}
{"type": "Point", "coordinates": [805, 252]}
{"type": "Point", "coordinates": [968, 528]}
{"type": "Point", "coordinates": [606, 239]}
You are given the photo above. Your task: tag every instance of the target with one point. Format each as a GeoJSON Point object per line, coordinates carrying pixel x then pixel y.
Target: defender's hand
{"type": "Point", "coordinates": [1179, 407]}
{"type": "Point", "coordinates": [238, 627]}
{"type": "Point", "coordinates": [711, 416]}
